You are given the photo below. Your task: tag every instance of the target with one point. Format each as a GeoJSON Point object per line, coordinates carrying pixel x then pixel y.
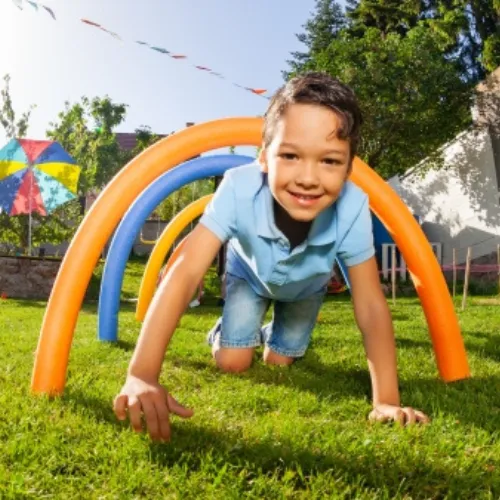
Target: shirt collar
{"type": "Point", "coordinates": [264, 221]}
{"type": "Point", "coordinates": [323, 230]}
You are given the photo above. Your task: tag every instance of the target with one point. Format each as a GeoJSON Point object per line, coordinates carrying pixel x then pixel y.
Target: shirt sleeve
{"type": "Point", "coordinates": [220, 214]}
{"type": "Point", "coordinates": [358, 244]}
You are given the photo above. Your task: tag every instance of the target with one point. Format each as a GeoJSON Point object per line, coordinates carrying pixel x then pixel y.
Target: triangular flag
{"type": "Point", "coordinates": [112, 33]}
{"type": "Point", "coordinates": [257, 91]}
{"type": "Point", "coordinates": [178, 56]}
{"type": "Point", "coordinates": [160, 49]}
{"type": "Point", "coordinates": [91, 23]}
{"type": "Point", "coordinates": [50, 11]}
{"type": "Point", "coordinates": [33, 4]}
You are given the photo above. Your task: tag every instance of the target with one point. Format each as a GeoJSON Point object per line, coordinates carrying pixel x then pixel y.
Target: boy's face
{"type": "Point", "coordinates": [307, 165]}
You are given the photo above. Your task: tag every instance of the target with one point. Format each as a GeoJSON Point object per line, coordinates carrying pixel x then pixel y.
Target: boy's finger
{"type": "Point", "coordinates": [151, 417]}
{"type": "Point", "coordinates": [422, 417]}
{"type": "Point", "coordinates": [163, 418]}
{"type": "Point", "coordinates": [177, 408]}
{"type": "Point", "coordinates": [399, 416]}
{"type": "Point", "coordinates": [134, 413]}
{"type": "Point", "coordinates": [120, 406]}
{"type": "Point", "coordinates": [410, 416]}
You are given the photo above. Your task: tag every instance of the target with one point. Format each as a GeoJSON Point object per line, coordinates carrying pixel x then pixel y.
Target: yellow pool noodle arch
{"type": "Point", "coordinates": [56, 335]}
{"type": "Point", "coordinates": [160, 250]}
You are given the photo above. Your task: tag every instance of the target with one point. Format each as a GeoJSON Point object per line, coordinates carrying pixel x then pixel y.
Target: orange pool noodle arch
{"type": "Point", "coordinates": [51, 361]}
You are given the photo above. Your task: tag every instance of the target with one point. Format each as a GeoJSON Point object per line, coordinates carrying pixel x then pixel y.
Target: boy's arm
{"type": "Point", "coordinates": [171, 300]}
{"type": "Point", "coordinates": [374, 320]}
{"type": "Point", "coordinates": [142, 393]}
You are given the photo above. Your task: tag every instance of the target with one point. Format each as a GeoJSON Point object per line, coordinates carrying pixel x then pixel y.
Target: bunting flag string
{"type": "Point", "coordinates": [35, 5]}
{"type": "Point", "coordinates": [161, 50]}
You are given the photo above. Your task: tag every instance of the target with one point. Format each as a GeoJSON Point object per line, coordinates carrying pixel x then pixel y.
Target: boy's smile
{"type": "Point", "coordinates": [307, 164]}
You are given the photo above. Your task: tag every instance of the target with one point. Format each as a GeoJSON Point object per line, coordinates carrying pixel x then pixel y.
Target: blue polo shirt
{"type": "Point", "coordinates": [241, 213]}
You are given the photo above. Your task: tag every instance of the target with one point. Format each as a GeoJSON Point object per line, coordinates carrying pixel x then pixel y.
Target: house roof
{"type": "Point", "coordinates": [128, 140]}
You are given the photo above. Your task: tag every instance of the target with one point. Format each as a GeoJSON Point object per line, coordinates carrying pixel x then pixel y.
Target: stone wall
{"type": "Point", "coordinates": [27, 278]}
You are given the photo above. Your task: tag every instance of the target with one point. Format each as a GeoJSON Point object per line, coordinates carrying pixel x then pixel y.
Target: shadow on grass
{"type": "Point", "coordinates": [124, 345]}
{"type": "Point", "coordinates": [489, 349]}
{"type": "Point", "coordinates": [101, 409]}
{"type": "Point", "coordinates": [366, 468]}
{"type": "Point", "coordinates": [472, 402]}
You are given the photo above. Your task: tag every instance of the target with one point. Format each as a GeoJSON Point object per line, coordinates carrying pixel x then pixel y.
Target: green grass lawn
{"type": "Point", "coordinates": [297, 432]}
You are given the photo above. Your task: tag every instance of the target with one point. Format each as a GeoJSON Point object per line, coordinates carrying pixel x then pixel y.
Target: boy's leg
{"type": "Point", "coordinates": [289, 333]}
{"type": "Point", "coordinates": [238, 332]}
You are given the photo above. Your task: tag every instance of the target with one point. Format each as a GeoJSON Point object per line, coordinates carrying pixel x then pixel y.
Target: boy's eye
{"type": "Point", "coordinates": [288, 156]}
{"type": "Point", "coordinates": [332, 161]}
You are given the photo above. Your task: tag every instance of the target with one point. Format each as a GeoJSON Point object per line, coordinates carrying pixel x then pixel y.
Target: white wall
{"type": "Point", "coordinates": [459, 204]}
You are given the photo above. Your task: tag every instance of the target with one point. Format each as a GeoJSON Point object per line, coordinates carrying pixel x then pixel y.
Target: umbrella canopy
{"type": "Point", "coordinates": [36, 176]}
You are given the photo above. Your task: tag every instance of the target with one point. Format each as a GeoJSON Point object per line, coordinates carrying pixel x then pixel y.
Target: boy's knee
{"type": "Point", "coordinates": [233, 360]}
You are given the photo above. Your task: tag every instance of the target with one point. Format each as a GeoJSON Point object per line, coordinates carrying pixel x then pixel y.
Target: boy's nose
{"type": "Point", "coordinates": [308, 176]}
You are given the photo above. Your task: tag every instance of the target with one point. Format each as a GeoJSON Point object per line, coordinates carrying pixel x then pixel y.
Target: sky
{"type": "Point", "coordinates": [51, 62]}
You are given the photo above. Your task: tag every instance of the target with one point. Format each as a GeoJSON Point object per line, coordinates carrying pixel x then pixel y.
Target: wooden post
{"type": "Point", "coordinates": [454, 272]}
{"type": "Point", "coordinates": [393, 275]}
{"type": "Point", "coordinates": [466, 281]}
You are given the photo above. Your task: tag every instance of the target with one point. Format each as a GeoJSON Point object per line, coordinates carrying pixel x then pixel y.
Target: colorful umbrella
{"type": "Point", "coordinates": [36, 176]}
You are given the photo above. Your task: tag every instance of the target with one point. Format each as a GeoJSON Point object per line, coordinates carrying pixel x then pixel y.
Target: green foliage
{"type": "Point", "coordinates": [471, 27]}
{"type": "Point", "coordinates": [86, 131]}
{"type": "Point", "coordinates": [58, 227]}
{"type": "Point", "coordinates": [326, 23]}
{"type": "Point", "coordinates": [403, 60]}
{"type": "Point", "coordinates": [491, 53]}
{"type": "Point", "coordinates": [13, 128]}
{"type": "Point", "coordinates": [183, 197]}
{"type": "Point", "coordinates": [145, 137]}
{"type": "Point", "coordinates": [413, 100]}
{"type": "Point", "coordinates": [388, 16]}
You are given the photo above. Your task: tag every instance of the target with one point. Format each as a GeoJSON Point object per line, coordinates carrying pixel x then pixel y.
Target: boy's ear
{"type": "Point", "coordinates": [349, 170]}
{"type": "Point", "coordinates": [262, 159]}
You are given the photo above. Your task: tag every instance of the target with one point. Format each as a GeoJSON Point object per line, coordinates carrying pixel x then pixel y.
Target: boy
{"type": "Point", "coordinates": [286, 218]}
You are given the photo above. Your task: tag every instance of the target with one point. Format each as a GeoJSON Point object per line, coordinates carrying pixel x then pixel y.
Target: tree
{"type": "Point", "coordinates": [12, 127]}
{"type": "Point", "coordinates": [413, 99]}
{"type": "Point", "coordinates": [326, 23]}
{"type": "Point", "coordinates": [388, 16]}
{"type": "Point", "coordinates": [144, 138]}
{"type": "Point", "coordinates": [470, 28]}
{"type": "Point", "coordinates": [85, 130]}
{"type": "Point", "coordinates": [414, 65]}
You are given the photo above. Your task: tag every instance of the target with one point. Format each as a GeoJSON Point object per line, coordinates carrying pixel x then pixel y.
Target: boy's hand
{"type": "Point", "coordinates": [153, 401]}
{"type": "Point", "coordinates": [404, 416]}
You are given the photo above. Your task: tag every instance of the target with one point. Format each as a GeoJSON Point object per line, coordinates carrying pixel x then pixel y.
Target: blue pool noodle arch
{"type": "Point", "coordinates": [128, 229]}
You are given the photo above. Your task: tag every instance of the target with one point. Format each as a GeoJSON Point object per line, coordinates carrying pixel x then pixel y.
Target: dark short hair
{"type": "Point", "coordinates": [323, 90]}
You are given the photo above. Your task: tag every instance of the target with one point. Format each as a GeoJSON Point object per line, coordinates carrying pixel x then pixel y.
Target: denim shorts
{"type": "Point", "coordinates": [288, 333]}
